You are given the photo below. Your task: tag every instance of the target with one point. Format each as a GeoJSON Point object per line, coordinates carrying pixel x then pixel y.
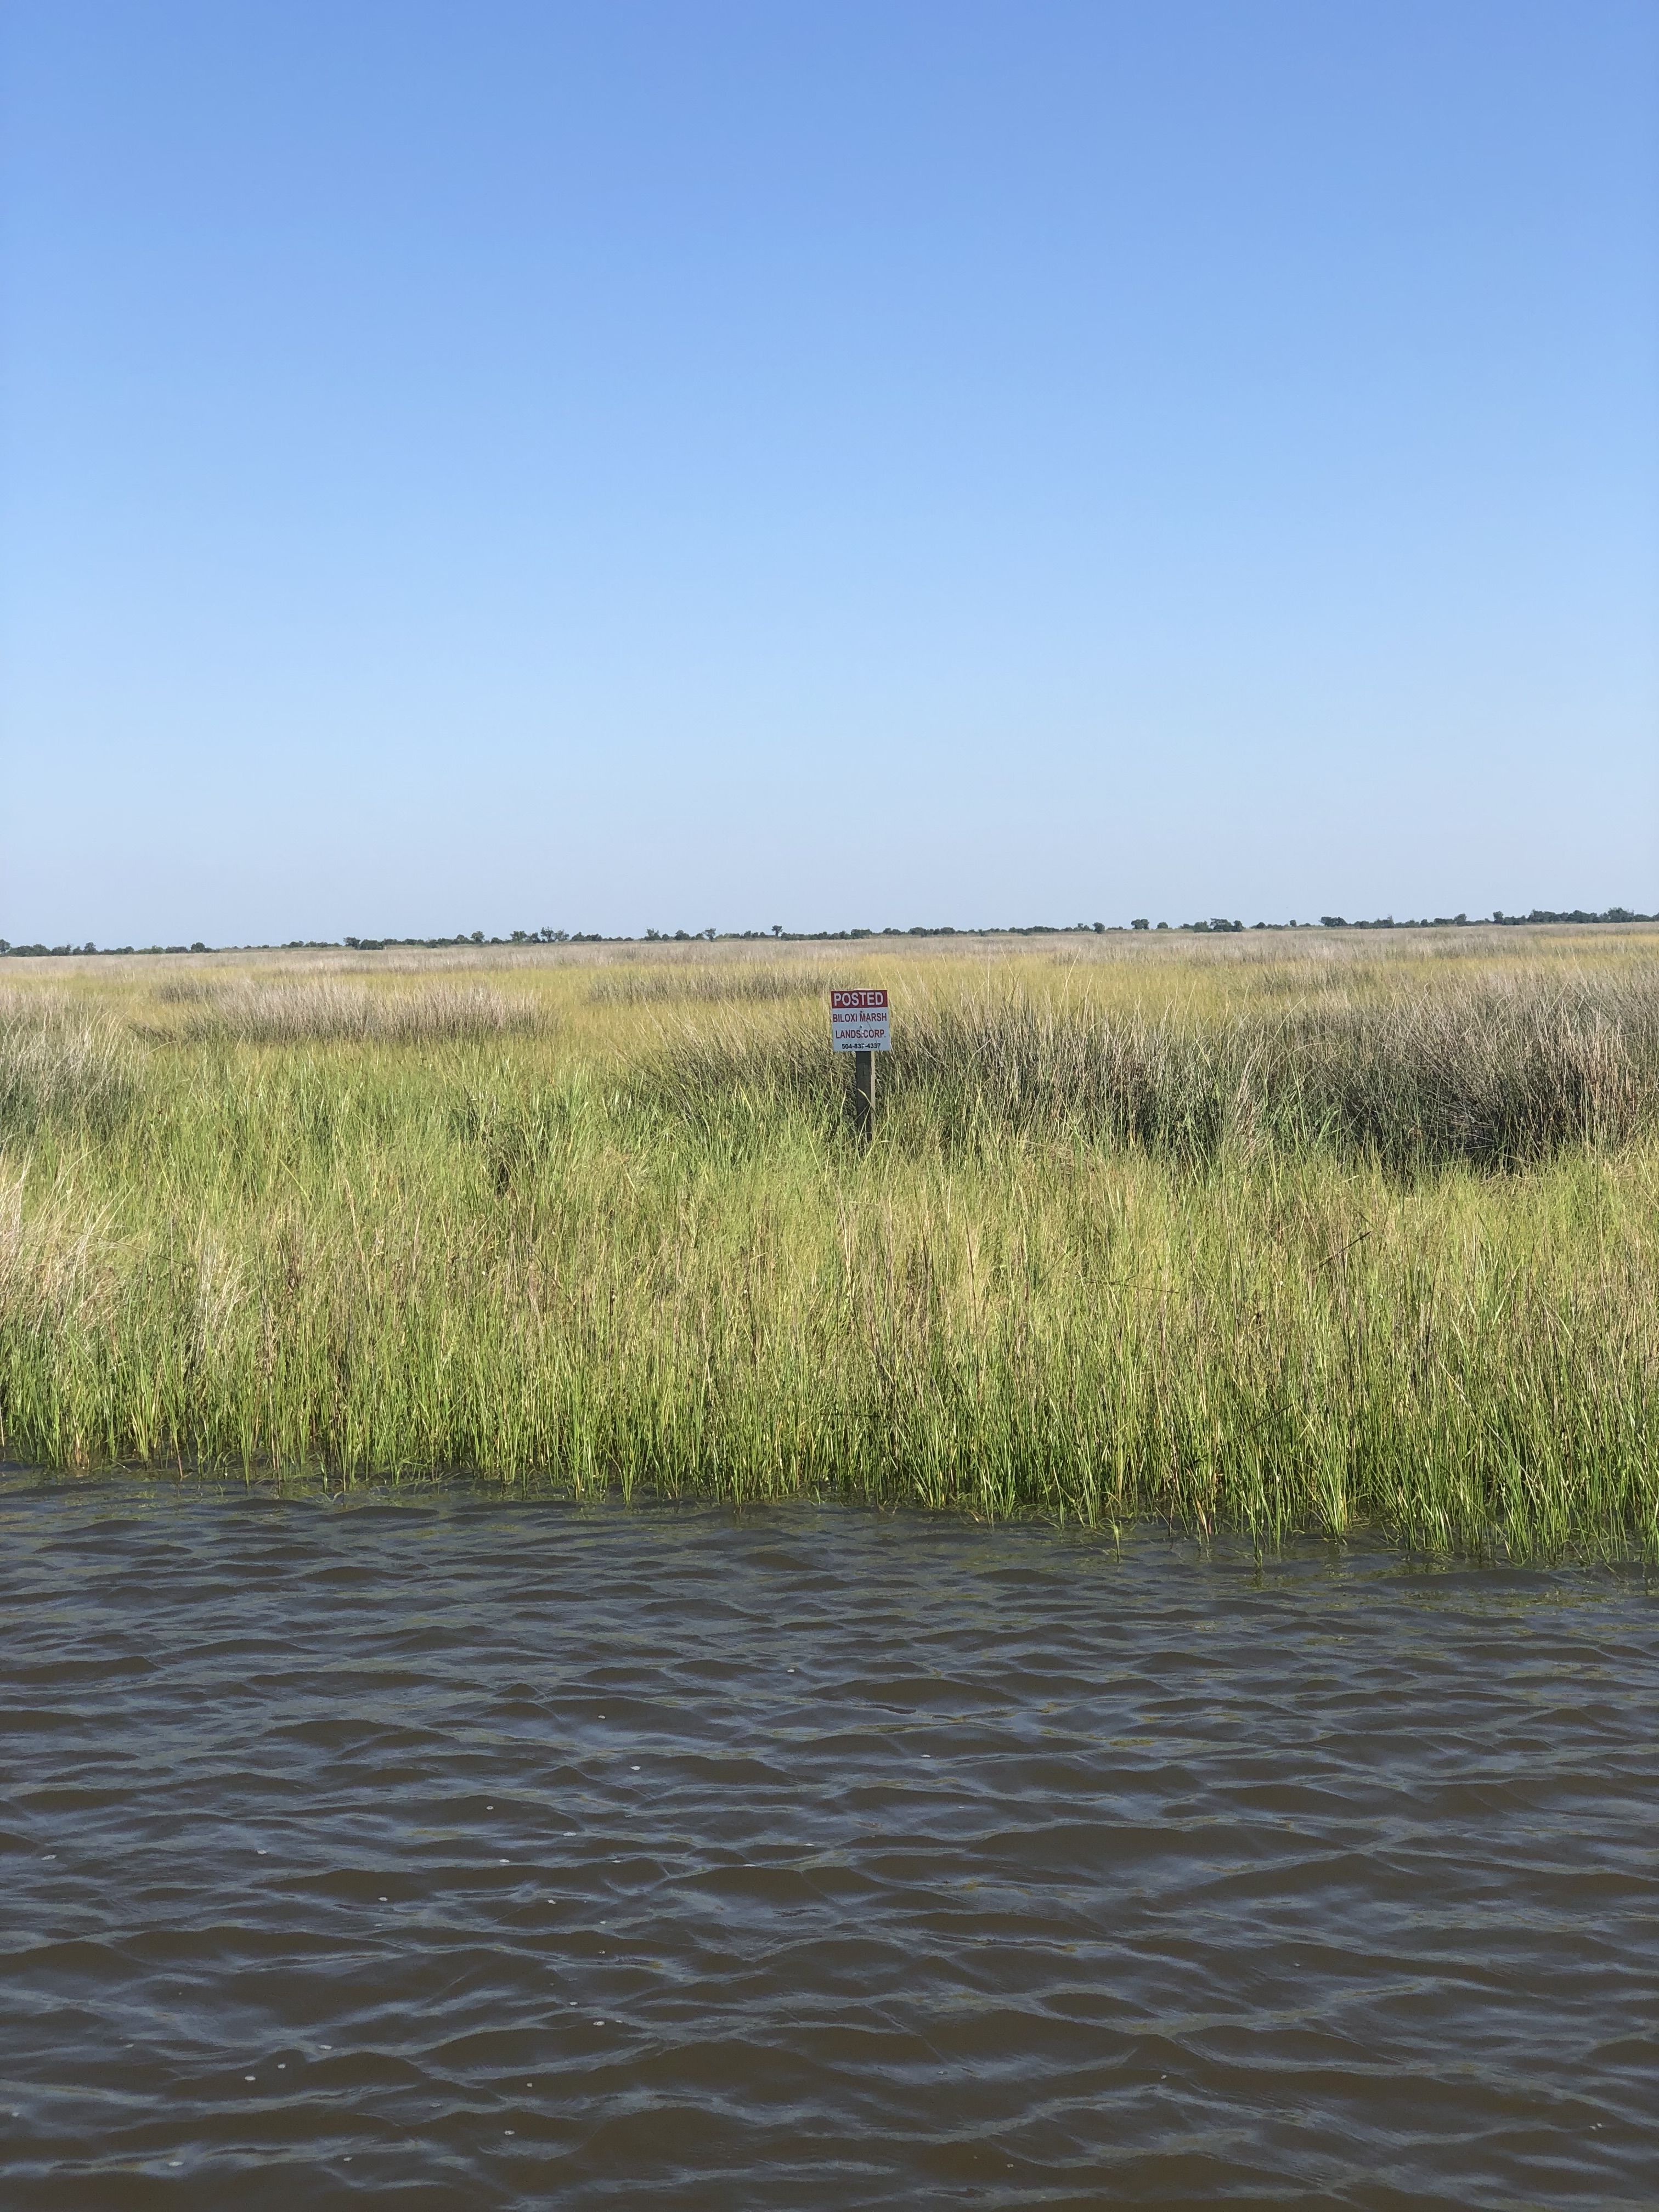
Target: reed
{"type": "Point", "coordinates": [1277, 1243]}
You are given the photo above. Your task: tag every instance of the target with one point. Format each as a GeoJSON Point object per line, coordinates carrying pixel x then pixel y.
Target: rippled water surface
{"type": "Point", "coordinates": [470, 1850]}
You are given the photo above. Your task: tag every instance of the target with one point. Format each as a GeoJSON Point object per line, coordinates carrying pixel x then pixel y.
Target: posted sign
{"type": "Point", "coordinates": [858, 1021]}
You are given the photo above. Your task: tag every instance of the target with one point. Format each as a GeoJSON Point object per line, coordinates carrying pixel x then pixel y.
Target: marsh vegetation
{"type": "Point", "coordinates": [1270, 1232]}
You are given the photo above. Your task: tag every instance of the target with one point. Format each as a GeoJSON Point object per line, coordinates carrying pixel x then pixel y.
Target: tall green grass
{"type": "Point", "coordinates": [1328, 1257]}
{"type": "Point", "coordinates": [1494, 1075]}
{"type": "Point", "coordinates": [61, 1066]}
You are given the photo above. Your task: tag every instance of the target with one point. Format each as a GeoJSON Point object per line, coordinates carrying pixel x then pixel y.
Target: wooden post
{"type": "Point", "coordinates": [864, 1095]}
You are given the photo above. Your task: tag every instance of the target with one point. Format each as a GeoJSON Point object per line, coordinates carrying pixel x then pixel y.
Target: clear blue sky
{"type": "Point", "coordinates": [471, 464]}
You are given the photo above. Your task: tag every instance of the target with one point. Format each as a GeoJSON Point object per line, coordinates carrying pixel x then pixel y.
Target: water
{"type": "Point", "coordinates": [476, 1851]}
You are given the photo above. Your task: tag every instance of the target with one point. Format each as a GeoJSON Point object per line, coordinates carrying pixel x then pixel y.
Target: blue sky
{"type": "Point", "coordinates": [672, 462]}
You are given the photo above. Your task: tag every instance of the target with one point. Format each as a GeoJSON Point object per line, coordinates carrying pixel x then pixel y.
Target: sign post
{"type": "Point", "coordinates": [859, 1024]}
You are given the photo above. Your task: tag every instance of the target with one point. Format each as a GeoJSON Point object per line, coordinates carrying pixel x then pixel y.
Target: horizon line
{"type": "Point", "coordinates": [777, 934]}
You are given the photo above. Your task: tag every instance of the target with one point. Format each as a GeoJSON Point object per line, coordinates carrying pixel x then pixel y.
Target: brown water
{"type": "Point", "coordinates": [467, 1850]}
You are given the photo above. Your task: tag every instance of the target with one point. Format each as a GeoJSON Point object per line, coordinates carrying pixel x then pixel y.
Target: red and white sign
{"type": "Point", "coordinates": [858, 1021]}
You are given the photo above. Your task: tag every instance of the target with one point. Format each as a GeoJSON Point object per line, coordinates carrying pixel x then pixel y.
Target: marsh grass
{"type": "Point", "coordinates": [1495, 1077]}
{"type": "Point", "coordinates": [1311, 1245]}
{"type": "Point", "coordinates": [61, 1065]}
{"type": "Point", "coordinates": [307, 1012]}
{"type": "Point", "coordinates": [708, 986]}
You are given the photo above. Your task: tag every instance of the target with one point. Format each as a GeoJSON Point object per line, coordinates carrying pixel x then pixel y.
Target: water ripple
{"type": "Point", "coordinates": [480, 1851]}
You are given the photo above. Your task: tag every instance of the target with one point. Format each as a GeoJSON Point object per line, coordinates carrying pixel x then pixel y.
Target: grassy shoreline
{"type": "Point", "coordinates": [1238, 1238]}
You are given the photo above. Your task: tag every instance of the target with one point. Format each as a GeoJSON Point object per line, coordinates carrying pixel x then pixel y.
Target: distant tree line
{"type": "Point", "coordinates": [56, 952]}
{"type": "Point", "coordinates": [1217, 925]}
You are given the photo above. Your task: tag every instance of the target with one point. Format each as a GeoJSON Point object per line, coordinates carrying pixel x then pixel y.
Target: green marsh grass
{"type": "Point", "coordinates": [1279, 1238]}
{"type": "Point", "coordinates": [251, 1012]}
